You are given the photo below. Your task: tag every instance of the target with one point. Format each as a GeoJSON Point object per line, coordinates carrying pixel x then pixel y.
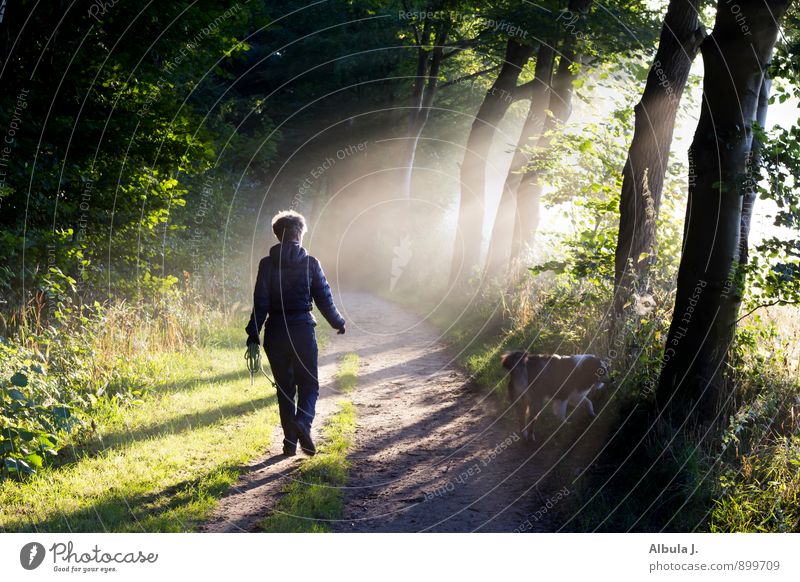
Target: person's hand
{"type": "Point", "coordinates": [341, 330]}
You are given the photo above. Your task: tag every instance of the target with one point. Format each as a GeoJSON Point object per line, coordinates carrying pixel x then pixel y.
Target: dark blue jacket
{"type": "Point", "coordinates": [288, 279]}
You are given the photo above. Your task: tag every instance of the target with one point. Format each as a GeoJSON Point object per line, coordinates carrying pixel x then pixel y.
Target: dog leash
{"type": "Point", "coordinates": [252, 356]}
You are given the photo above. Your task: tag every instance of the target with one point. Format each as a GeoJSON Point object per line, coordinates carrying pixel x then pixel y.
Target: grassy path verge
{"type": "Point", "coordinates": [159, 466]}
{"type": "Point", "coordinates": [316, 495]}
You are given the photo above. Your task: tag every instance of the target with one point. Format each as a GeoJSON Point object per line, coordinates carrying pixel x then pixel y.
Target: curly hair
{"type": "Point", "coordinates": [288, 225]}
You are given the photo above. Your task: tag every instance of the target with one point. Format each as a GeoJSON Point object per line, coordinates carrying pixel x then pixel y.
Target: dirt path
{"type": "Point", "coordinates": [262, 483]}
{"type": "Point", "coordinates": [430, 455]}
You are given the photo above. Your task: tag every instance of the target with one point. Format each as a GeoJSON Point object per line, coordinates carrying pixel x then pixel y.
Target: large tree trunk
{"type": "Point", "coordinates": [469, 238]}
{"type": "Point", "coordinates": [500, 243]}
{"type": "Point", "coordinates": [643, 174]}
{"type": "Point", "coordinates": [429, 61]}
{"type": "Point", "coordinates": [709, 280]}
{"type": "Point", "coordinates": [530, 187]}
{"type": "Point", "coordinates": [529, 190]}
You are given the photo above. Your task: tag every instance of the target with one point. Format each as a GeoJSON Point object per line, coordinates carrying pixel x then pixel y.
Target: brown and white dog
{"type": "Point", "coordinates": [538, 379]}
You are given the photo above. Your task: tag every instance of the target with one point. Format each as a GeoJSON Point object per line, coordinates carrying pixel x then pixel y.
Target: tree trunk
{"type": "Point", "coordinates": [469, 238]}
{"type": "Point", "coordinates": [751, 179]}
{"type": "Point", "coordinates": [423, 55]}
{"type": "Point", "coordinates": [429, 62]}
{"type": "Point", "coordinates": [530, 188]}
{"type": "Point", "coordinates": [709, 281]}
{"type": "Point", "coordinates": [502, 231]}
{"type": "Point", "coordinates": [643, 174]}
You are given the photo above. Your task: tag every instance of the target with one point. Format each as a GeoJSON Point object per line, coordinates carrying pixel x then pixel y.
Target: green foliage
{"type": "Point", "coordinates": [761, 491]}
{"type": "Point", "coordinates": [43, 399]}
{"type": "Point", "coordinates": [104, 160]}
{"type": "Point", "coordinates": [159, 466]}
{"type": "Point", "coordinates": [583, 169]}
{"type": "Point", "coordinates": [774, 268]}
{"type": "Point", "coordinates": [36, 411]}
{"type": "Point", "coordinates": [59, 377]}
{"type": "Point", "coordinates": [785, 60]}
{"type": "Point", "coordinates": [759, 477]}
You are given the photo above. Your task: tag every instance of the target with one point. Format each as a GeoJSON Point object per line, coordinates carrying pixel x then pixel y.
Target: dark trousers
{"type": "Point", "coordinates": [292, 354]}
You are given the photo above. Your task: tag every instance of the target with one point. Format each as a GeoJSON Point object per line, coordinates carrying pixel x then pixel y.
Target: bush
{"type": "Point", "coordinates": [759, 477]}
{"type": "Point", "coordinates": [37, 411]}
{"type": "Point", "coordinates": [761, 491]}
{"type": "Point", "coordinates": [58, 374]}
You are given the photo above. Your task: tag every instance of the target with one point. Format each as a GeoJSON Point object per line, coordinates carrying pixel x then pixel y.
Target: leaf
{"type": "Point", "coordinates": [34, 460]}
{"type": "Point", "coordinates": [16, 394]}
{"type": "Point", "coordinates": [61, 412]}
{"type": "Point", "coordinates": [19, 379]}
{"type": "Point", "coordinates": [17, 465]}
{"type": "Point", "coordinates": [47, 440]}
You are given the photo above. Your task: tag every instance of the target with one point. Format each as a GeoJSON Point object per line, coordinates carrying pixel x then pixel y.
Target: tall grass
{"type": "Point", "coordinates": [759, 474]}
{"type": "Point", "coordinates": [63, 365]}
{"type": "Point", "coordinates": [646, 475]}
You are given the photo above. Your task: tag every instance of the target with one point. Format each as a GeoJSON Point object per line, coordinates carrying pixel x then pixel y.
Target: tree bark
{"type": "Point", "coordinates": [529, 190]}
{"type": "Point", "coordinates": [423, 55]}
{"type": "Point", "coordinates": [469, 238]}
{"type": "Point", "coordinates": [710, 285]}
{"type": "Point", "coordinates": [751, 179]}
{"type": "Point", "coordinates": [429, 61]}
{"type": "Point", "coordinates": [502, 230]}
{"type": "Point", "coordinates": [530, 187]}
{"type": "Point", "coordinates": [646, 166]}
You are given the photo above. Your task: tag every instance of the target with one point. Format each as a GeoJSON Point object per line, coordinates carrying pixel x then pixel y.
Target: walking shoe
{"type": "Point", "coordinates": [306, 444]}
{"type": "Point", "coordinates": [289, 449]}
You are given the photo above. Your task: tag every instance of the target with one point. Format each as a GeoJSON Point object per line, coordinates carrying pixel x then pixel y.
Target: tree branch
{"type": "Point", "coordinates": [525, 91]}
{"type": "Point", "coordinates": [470, 76]}
{"type": "Point", "coordinates": [464, 44]}
{"type": "Point", "coordinates": [414, 25]}
{"type": "Point", "coordinates": [770, 304]}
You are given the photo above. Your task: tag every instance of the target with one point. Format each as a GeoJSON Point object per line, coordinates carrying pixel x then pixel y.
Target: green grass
{"type": "Point", "coordinates": [762, 493]}
{"type": "Point", "coordinates": [316, 494]}
{"type": "Point", "coordinates": [158, 466]}
{"type": "Point", "coordinates": [347, 374]}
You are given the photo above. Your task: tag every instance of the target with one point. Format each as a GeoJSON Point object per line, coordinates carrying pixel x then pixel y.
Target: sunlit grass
{"type": "Point", "coordinates": [762, 494]}
{"type": "Point", "coordinates": [347, 374]}
{"type": "Point", "coordinates": [158, 466]}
